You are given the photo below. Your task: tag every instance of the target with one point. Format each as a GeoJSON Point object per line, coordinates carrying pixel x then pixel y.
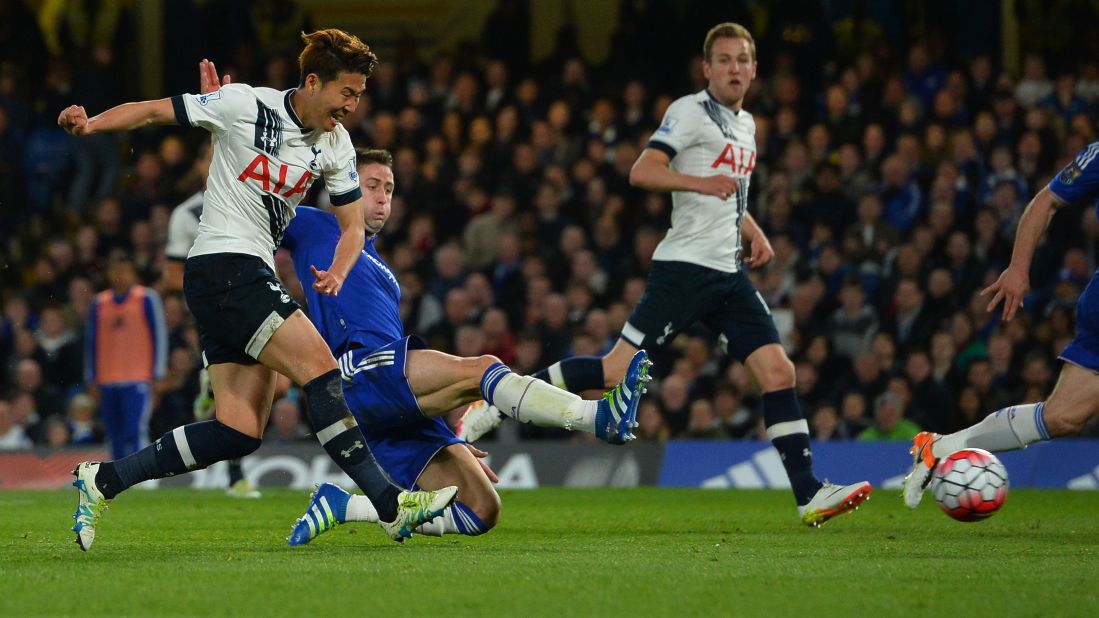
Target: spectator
{"type": "Point", "coordinates": [126, 343]}
{"type": "Point", "coordinates": [889, 421]}
{"type": "Point", "coordinates": [286, 426]}
{"type": "Point", "coordinates": [13, 436]}
{"type": "Point", "coordinates": [702, 423]}
{"type": "Point", "coordinates": [651, 426]}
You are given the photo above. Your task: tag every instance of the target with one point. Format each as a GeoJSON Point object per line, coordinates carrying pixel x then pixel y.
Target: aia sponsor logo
{"type": "Point", "coordinates": [739, 160]}
{"type": "Point", "coordinates": [260, 170]}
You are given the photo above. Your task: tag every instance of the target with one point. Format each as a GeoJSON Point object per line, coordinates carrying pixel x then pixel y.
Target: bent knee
{"type": "Point", "coordinates": [487, 360]}
{"type": "Point", "coordinates": [486, 504]}
{"type": "Point", "coordinates": [778, 375]}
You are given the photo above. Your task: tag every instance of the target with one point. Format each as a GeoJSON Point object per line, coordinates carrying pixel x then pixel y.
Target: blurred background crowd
{"type": "Point", "coordinates": [898, 145]}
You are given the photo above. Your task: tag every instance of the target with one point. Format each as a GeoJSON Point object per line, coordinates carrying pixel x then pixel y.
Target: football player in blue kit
{"type": "Point", "coordinates": [399, 391]}
{"type": "Point", "coordinates": [1075, 398]}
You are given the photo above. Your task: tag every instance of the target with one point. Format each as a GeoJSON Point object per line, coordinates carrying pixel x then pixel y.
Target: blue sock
{"type": "Point", "coordinates": [491, 379]}
{"type": "Point", "coordinates": [579, 373]}
{"type": "Point", "coordinates": [789, 433]}
{"type": "Point", "coordinates": [466, 521]}
{"type": "Point", "coordinates": [186, 448]}
{"type": "Point", "coordinates": [339, 434]}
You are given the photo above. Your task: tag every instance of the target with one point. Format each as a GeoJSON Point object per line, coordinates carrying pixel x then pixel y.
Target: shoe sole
{"type": "Point", "coordinates": [851, 503]}
{"type": "Point", "coordinates": [79, 540]}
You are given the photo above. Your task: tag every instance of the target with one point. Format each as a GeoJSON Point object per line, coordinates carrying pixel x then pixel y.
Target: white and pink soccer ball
{"type": "Point", "coordinates": [970, 485]}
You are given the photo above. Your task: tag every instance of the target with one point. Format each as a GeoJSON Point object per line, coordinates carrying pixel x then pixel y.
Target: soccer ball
{"type": "Point", "coordinates": [970, 485]}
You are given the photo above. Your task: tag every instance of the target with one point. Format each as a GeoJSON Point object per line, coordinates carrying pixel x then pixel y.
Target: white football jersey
{"type": "Point", "coordinates": [183, 227]}
{"type": "Point", "coordinates": [264, 161]}
{"type": "Point", "coordinates": [705, 138]}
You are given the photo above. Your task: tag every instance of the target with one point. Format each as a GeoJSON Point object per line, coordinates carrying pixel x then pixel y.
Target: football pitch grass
{"type": "Point", "coordinates": [555, 552]}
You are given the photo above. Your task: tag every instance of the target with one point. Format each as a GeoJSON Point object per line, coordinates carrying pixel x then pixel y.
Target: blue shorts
{"type": "Point", "coordinates": [402, 439]}
{"type": "Point", "coordinates": [1083, 350]}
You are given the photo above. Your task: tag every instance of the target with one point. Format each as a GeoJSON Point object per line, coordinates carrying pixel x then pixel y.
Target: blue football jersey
{"type": "Point", "coordinates": [1079, 181]}
{"type": "Point", "coordinates": [366, 309]}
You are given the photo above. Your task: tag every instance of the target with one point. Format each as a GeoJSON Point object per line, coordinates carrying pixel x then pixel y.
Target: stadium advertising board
{"type": "Point", "coordinates": [1072, 464]}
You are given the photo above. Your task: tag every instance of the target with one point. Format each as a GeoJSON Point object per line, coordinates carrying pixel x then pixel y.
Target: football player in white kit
{"type": "Point", "coordinates": [182, 232]}
{"type": "Point", "coordinates": [269, 146]}
{"type": "Point", "coordinates": [704, 153]}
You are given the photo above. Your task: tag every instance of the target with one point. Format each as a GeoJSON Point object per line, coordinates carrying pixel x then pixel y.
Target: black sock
{"type": "Point", "coordinates": [186, 448]}
{"type": "Point", "coordinates": [789, 434]}
{"type": "Point", "coordinates": [236, 472]}
{"type": "Point", "coordinates": [579, 373]}
{"type": "Point", "coordinates": [341, 438]}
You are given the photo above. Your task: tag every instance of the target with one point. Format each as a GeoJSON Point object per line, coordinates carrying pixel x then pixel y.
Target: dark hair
{"type": "Point", "coordinates": [119, 256]}
{"type": "Point", "coordinates": [365, 156]}
{"type": "Point", "coordinates": [330, 52]}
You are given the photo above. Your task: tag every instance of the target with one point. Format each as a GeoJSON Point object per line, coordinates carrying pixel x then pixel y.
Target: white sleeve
{"type": "Point", "coordinates": [216, 111]}
{"type": "Point", "coordinates": [182, 231]}
{"type": "Point", "coordinates": [341, 177]}
{"type": "Point", "coordinates": [678, 129]}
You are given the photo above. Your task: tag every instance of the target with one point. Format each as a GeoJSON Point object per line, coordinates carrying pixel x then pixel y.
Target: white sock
{"type": "Point", "coordinates": [530, 400]}
{"type": "Point", "coordinates": [1008, 429]}
{"type": "Point", "coordinates": [458, 518]}
{"type": "Point", "coordinates": [443, 524]}
{"type": "Point", "coordinates": [360, 508]}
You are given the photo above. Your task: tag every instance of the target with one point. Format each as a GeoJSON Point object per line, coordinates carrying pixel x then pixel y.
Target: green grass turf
{"type": "Point", "coordinates": [556, 552]}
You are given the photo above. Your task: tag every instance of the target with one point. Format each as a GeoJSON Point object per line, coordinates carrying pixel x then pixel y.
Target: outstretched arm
{"type": "Point", "coordinates": [125, 117]}
{"type": "Point", "coordinates": [1014, 282]}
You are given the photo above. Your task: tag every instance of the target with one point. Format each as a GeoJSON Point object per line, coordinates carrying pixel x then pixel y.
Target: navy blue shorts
{"type": "Point", "coordinates": [678, 295]}
{"type": "Point", "coordinates": [376, 387]}
{"type": "Point", "coordinates": [1083, 350]}
{"type": "Point", "coordinates": [238, 304]}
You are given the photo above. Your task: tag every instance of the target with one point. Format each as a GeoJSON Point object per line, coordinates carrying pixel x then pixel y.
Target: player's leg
{"type": "Point", "coordinates": [786, 425]}
{"type": "Point", "coordinates": [203, 408]}
{"type": "Point", "coordinates": [478, 510]}
{"type": "Point", "coordinates": [244, 400]}
{"type": "Point", "coordinates": [442, 382]}
{"type": "Point", "coordinates": [297, 351]}
{"type": "Point", "coordinates": [403, 450]}
{"type": "Point", "coordinates": [675, 292]}
{"type": "Point", "coordinates": [575, 374]}
{"type": "Point", "coordinates": [241, 308]}
{"type": "Point", "coordinates": [748, 333]}
{"type": "Point", "coordinates": [1073, 402]}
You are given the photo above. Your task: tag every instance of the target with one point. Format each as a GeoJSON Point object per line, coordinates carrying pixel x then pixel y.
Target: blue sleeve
{"type": "Point", "coordinates": [154, 314]}
{"type": "Point", "coordinates": [89, 341]}
{"type": "Point", "coordinates": [1079, 180]}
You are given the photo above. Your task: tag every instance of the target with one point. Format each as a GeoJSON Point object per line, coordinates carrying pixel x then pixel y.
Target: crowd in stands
{"type": "Point", "coordinates": [889, 180]}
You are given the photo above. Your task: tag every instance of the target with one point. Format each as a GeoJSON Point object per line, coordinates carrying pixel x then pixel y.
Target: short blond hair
{"type": "Point", "coordinates": [727, 30]}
